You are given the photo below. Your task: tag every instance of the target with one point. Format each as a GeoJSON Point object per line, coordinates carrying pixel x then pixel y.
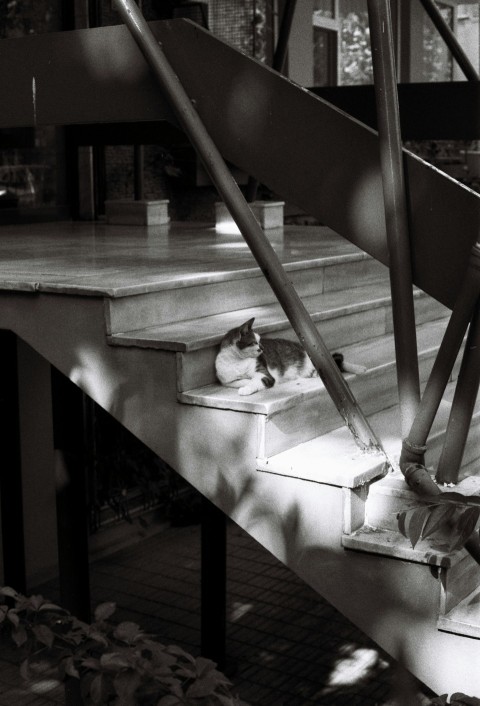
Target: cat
{"type": "Point", "coordinates": [246, 363]}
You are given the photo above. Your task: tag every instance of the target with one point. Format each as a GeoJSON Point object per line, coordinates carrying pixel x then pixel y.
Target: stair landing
{"type": "Point", "coordinates": [116, 261]}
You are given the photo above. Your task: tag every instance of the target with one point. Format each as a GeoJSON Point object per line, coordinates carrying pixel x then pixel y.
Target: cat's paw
{"type": "Point", "coordinates": [247, 390]}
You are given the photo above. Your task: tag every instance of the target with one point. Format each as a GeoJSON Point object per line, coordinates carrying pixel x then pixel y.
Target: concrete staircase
{"type": "Point", "coordinates": [280, 463]}
{"type": "Point", "coordinates": [297, 433]}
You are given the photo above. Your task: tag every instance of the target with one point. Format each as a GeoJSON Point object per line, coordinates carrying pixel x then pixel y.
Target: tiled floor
{"type": "Point", "coordinates": [288, 646]}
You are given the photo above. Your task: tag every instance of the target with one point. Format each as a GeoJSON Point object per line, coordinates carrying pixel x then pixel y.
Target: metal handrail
{"type": "Point", "coordinates": [414, 445]}
{"type": "Point", "coordinates": [450, 40]}
{"type": "Point", "coordinates": [254, 236]}
{"type": "Point", "coordinates": [391, 159]}
{"type": "Point", "coordinates": [463, 405]}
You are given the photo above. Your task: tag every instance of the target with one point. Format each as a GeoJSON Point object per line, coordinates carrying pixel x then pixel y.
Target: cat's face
{"type": "Point", "coordinates": [245, 340]}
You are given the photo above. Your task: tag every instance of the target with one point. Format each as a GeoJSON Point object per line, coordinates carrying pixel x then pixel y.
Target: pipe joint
{"type": "Point", "coordinates": [419, 479]}
{"type": "Point", "coordinates": [411, 453]}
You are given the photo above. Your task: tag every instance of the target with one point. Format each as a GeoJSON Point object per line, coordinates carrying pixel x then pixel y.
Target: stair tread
{"type": "Point", "coordinates": [389, 543]}
{"type": "Point", "coordinates": [373, 354]}
{"type": "Point", "coordinates": [464, 618]}
{"type": "Point", "coordinates": [332, 459]}
{"type": "Point", "coordinates": [193, 334]}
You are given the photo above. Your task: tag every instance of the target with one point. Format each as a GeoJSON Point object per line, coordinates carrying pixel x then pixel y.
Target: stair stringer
{"type": "Point", "coordinates": [395, 602]}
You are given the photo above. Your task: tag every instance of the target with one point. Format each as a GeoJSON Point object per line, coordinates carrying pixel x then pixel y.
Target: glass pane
{"type": "Point", "coordinates": [324, 8]}
{"type": "Point", "coordinates": [437, 59]}
{"type": "Point", "coordinates": [28, 157]}
{"type": "Point", "coordinates": [355, 51]}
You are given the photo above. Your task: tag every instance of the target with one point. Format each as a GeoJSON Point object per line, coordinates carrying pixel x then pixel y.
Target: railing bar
{"type": "Point", "coordinates": [278, 64]}
{"type": "Point", "coordinates": [462, 406]}
{"type": "Point", "coordinates": [259, 244]}
{"type": "Point", "coordinates": [391, 159]}
{"type": "Point", "coordinates": [450, 40]}
{"type": "Point", "coordinates": [444, 362]}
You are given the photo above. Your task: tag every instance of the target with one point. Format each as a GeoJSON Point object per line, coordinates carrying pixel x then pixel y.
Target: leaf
{"type": "Point", "coordinates": [464, 700]}
{"type": "Point", "coordinates": [178, 652]}
{"type": "Point", "coordinates": [125, 684]}
{"type": "Point", "coordinates": [127, 632]}
{"type": "Point", "coordinates": [204, 666]}
{"type": "Point", "coordinates": [96, 689]}
{"type": "Point", "coordinates": [19, 636]}
{"type": "Point", "coordinates": [114, 661]}
{"type": "Point", "coordinates": [465, 526]}
{"type": "Point", "coordinates": [53, 607]}
{"type": "Point", "coordinates": [3, 612]}
{"type": "Point", "coordinates": [70, 668]}
{"type": "Point", "coordinates": [9, 592]}
{"type": "Point", "coordinates": [169, 700]}
{"type": "Point", "coordinates": [25, 670]}
{"type": "Point", "coordinates": [12, 615]}
{"type": "Point", "coordinates": [205, 686]}
{"type": "Point", "coordinates": [44, 634]}
{"type": "Point", "coordinates": [439, 515]}
{"type": "Point", "coordinates": [411, 523]}
{"type": "Point", "coordinates": [105, 611]}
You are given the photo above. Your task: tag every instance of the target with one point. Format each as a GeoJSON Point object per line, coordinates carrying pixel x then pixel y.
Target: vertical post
{"type": "Point", "coordinates": [72, 519]}
{"type": "Point", "coordinates": [391, 159]}
{"type": "Point", "coordinates": [213, 583]}
{"type": "Point", "coordinates": [414, 444]}
{"type": "Point", "coordinates": [462, 406]}
{"type": "Point", "coordinates": [11, 494]}
{"type": "Point", "coordinates": [138, 162]}
{"type": "Point", "coordinates": [278, 63]}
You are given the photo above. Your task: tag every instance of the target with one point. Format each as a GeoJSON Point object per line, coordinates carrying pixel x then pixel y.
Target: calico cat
{"type": "Point", "coordinates": [245, 362]}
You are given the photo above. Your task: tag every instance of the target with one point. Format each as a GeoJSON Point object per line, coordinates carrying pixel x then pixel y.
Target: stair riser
{"type": "Point", "coordinates": [156, 308]}
{"type": "Point", "coordinates": [459, 581]}
{"type": "Point", "coordinates": [338, 330]}
{"type": "Point", "coordinates": [317, 416]}
{"type": "Point", "coordinates": [198, 367]}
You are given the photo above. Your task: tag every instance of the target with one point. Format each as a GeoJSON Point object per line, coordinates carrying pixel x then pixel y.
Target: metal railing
{"type": "Point", "coordinates": [253, 234]}
{"type": "Point", "coordinates": [395, 204]}
{"type": "Point", "coordinates": [417, 416]}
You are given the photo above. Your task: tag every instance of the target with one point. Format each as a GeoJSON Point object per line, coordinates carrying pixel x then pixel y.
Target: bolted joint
{"type": "Point", "coordinates": [411, 453]}
{"type": "Point", "coordinates": [419, 479]}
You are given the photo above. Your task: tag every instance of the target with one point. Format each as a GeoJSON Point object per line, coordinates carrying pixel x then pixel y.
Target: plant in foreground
{"type": "Point", "coordinates": [117, 665]}
{"type": "Point", "coordinates": [451, 511]}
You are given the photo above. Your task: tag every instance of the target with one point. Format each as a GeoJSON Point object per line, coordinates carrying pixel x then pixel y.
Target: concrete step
{"type": "Point", "coordinates": [464, 617]}
{"type": "Point", "coordinates": [343, 318]}
{"type": "Point", "coordinates": [300, 410]}
{"type": "Point", "coordinates": [392, 495]}
{"type": "Point", "coordinates": [206, 291]}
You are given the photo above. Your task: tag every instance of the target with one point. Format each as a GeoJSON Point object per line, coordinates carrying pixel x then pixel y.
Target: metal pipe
{"type": "Point", "coordinates": [414, 445]}
{"type": "Point", "coordinates": [278, 65]}
{"type": "Point", "coordinates": [391, 158]}
{"type": "Point", "coordinates": [450, 40]}
{"type": "Point", "coordinates": [462, 406]}
{"type": "Point", "coordinates": [258, 243]}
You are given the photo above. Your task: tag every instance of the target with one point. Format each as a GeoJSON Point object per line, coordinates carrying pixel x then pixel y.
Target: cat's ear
{"type": "Point", "coordinates": [246, 327]}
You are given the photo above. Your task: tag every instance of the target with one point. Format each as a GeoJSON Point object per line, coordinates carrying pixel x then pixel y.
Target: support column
{"type": "Point", "coordinates": [72, 519]}
{"type": "Point", "coordinates": [214, 583]}
{"type": "Point", "coordinates": [13, 540]}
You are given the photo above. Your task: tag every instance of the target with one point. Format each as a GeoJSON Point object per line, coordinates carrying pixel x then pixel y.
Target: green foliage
{"type": "Point", "coordinates": [117, 665]}
{"type": "Point", "coordinates": [450, 511]}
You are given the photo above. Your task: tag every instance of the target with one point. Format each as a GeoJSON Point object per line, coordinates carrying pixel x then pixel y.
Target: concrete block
{"type": "Point", "coordinates": [143, 213]}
